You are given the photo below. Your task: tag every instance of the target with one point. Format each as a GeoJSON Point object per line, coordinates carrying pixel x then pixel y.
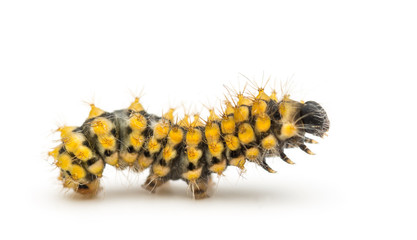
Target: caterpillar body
{"type": "Point", "coordinates": [249, 129]}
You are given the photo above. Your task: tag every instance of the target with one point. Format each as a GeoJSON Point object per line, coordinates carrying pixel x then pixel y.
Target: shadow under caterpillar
{"type": "Point", "coordinates": [249, 129]}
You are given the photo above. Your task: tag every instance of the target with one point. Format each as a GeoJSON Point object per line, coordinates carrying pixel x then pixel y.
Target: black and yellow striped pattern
{"type": "Point", "coordinates": [249, 129]}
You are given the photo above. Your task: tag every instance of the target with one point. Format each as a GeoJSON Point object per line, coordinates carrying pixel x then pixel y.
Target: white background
{"type": "Point", "coordinates": [357, 58]}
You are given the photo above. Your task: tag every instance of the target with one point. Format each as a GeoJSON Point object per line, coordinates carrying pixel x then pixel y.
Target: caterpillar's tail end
{"type": "Point", "coordinates": [315, 119]}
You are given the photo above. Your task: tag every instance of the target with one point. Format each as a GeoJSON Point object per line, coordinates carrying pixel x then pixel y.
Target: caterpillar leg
{"type": "Point", "coordinates": [199, 187]}
{"type": "Point", "coordinates": [153, 182]}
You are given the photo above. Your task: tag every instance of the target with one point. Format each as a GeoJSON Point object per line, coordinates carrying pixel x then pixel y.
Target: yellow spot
{"type": "Point", "coordinates": [161, 129]}
{"type": "Point", "coordinates": [55, 152]}
{"type": "Point", "coordinates": [185, 121]}
{"type": "Point", "coordinates": [136, 140]}
{"type": "Point", "coordinates": [107, 141]}
{"type": "Point", "coordinates": [129, 157]}
{"type": "Point", "coordinates": [288, 130]}
{"type": "Point", "coordinates": [302, 101]}
{"type": "Point", "coordinates": [228, 125]}
{"type": "Point", "coordinates": [83, 153]}
{"type": "Point", "coordinates": [175, 135]}
{"type": "Point", "coordinates": [212, 132]}
{"type": "Point", "coordinates": [169, 115]}
{"type": "Point", "coordinates": [193, 137]}
{"type": "Point", "coordinates": [263, 123]}
{"type": "Point", "coordinates": [274, 96]}
{"type": "Point", "coordinates": [94, 112]}
{"type": "Point", "coordinates": [212, 117]}
{"type": "Point", "coordinates": [153, 146]}
{"type": "Point", "coordinates": [243, 100]}
{"type": "Point", "coordinates": [101, 126]}
{"type": "Point", "coordinates": [238, 162]}
{"type": "Point", "coordinates": [136, 106]}
{"type": "Point", "coordinates": [269, 142]}
{"type": "Point", "coordinates": [262, 95]}
{"type": "Point", "coordinates": [64, 161]}
{"type": "Point", "coordinates": [216, 149]}
{"type": "Point", "coordinates": [219, 167]}
{"type": "Point", "coordinates": [197, 122]}
{"type": "Point", "coordinates": [232, 142]}
{"type": "Point", "coordinates": [73, 141]}
{"type": "Point", "coordinates": [112, 159]}
{"type": "Point", "coordinates": [138, 122]}
{"type": "Point", "coordinates": [259, 107]}
{"type": "Point", "coordinates": [65, 131]}
{"type": "Point", "coordinates": [193, 174]}
{"type": "Point", "coordinates": [77, 172]}
{"type": "Point", "coordinates": [169, 153]}
{"type": "Point", "coordinates": [241, 114]}
{"type": "Point", "coordinates": [96, 168]}
{"type": "Point", "coordinates": [160, 171]}
{"type": "Point", "coordinates": [144, 162]}
{"type": "Point", "coordinates": [246, 134]}
{"type": "Point", "coordinates": [252, 153]}
{"type": "Point", "coordinates": [229, 109]}
{"type": "Point", "coordinates": [194, 154]}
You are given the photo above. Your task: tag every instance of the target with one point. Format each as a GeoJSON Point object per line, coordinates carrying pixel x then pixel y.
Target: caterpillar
{"type": "Point", "coordinates": [251, 127]}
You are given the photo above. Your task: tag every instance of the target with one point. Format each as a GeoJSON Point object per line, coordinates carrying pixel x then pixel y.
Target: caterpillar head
{"type": "Point", "coordinates": [315, 119]}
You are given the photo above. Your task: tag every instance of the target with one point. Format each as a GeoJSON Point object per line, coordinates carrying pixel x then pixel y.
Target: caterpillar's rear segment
{"type": "Point", "coordinates": [252, 129]}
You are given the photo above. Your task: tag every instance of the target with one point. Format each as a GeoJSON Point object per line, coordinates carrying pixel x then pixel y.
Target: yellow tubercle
{"type": "Point", "coordinates": [246, 134]}
{"type": "Point", "coordinates": [101, 126]}
{"type": "Point", "coordinates": [153, 146]}
{"type": "Point", "coordinates": [269, 142]}
{"type": "Point", "coordinates": [241, 114]}
{"type": "Point", "coordinates": [77, 172]}
{"type": "Point", "coordinates": [55, 152]}
{"type": "Point", "coordinates": [144, 162]}
{"type": "Point", "coordinates": [252, 153]}
{"type": "Point", "coordinates": [175, 135]}
{"type": "Point", "coordinates": [161, 129]}
{"type": "Point", "coordinates": [274, 96]}
{"type": "Point", "coordinates": [160, 171]}
{"type": "Point", "coordinates": [65, 131]}
{"type": "Point", "coordinates": [107, 141]}
{"type": "Point", "coordinates": [129, 157]}
{"type": "Point", "coordinates": [232, 142]}
{"type": "Point", "coordinates": [169, 115]}
{"type": "Point", "coordinates": [218, 167]}
{"type": "Point", "coordinates": [212, 132]}
{"type": "Point", "coordinates": [138, 122]}
{"type": "Point", "coordinates": [212, 116]}
{"type": "Point", "coordinates": [242, 100]}
{"type": "Point", "coordinates": [64, 161]}
{"type": "Point", "coordinates": [169, 153]}
{"type": "Point", "coordinates": [192, 175]}
{"type": "Point", "coordinates": [288, 130]}
{"type": "Point", "coordinates": [262, 123]}
{"type": "Point", "coordinates": [83, 153]}
{"type": "Point", "coordinates": [73, 141]}
{"type": "Point", "coordinates": [194, 154]}
{"type": "Point", "coordinates": [262, 95]}
{"type": "Point", "coordinates": [238, 162]}
{"type": "Point", "coordinates": [258, 107]}
{"type": "Point", "coordinates": [197, 121]}
{"type": "Point", "coordinates": [216, 149]}
{"type": "Point", "coordinates": [94, 111]}
{"type": "Point", "coordinates": [228, 125]}
{"type": "Point", "coordinates": [136, 106]}
{"type": "Point", "coordinates": [229, 109]}
{"type": "Point", "coordinates": [193, 137]}
{"type": "Point", "coordinates": [185, 121]}
{"type": "Point", "coordinates": [136, 140]}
